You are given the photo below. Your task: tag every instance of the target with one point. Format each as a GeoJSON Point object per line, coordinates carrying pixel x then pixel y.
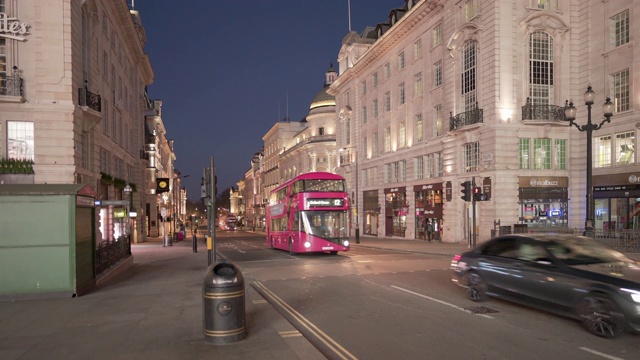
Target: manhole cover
{"type": "Point", "coordinates": [481, 310]}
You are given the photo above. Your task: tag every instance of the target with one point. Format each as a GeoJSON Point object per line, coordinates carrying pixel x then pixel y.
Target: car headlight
{"type": "Point", "coordinates": [345, 243]}
{"type": "Point", "coordinates": [635, 294]}
{"type": "Point", "coordinates": [307, 245]}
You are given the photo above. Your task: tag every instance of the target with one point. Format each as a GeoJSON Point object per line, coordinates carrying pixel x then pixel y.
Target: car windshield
{"type": "Point", "coordinates": [584, 251]}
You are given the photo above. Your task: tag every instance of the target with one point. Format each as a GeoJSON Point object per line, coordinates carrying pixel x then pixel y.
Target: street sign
{"type": "Point", "coordinates": [111, 202]}
{"type": "Point", "coordinates": [163, 212]}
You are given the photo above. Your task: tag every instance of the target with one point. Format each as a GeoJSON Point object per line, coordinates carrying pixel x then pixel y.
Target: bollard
{"type": "Point", "coordinates": [195, 243]}
{"type": "Point", "coordinates": [223, 303]}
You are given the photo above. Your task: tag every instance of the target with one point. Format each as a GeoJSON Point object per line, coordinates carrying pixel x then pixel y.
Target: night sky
{"type": "Point", "coordinates": [226, 70]}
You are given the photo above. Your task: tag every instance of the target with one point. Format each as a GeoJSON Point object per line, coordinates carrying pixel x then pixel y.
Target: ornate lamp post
{"type": "Point", "coordinates": [357, 215]}
{"type": "Point", "coordinates": [589, 127]}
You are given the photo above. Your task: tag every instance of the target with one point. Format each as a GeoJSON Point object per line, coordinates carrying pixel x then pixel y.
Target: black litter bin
{"type": "Point", "coordinates": [223, 301]}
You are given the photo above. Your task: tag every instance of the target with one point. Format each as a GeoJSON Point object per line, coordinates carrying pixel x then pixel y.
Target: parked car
{"type": "Point", "coordinates": [573, 276]}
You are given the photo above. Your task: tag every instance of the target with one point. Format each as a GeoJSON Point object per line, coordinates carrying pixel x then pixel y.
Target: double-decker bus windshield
{"type": "Point", "coordinates": [318, 186]}
{"type": "Point", "coordinates": [330, 225]}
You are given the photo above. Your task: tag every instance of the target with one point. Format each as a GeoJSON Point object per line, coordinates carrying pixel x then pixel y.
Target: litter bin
{"type": "Point", "coordinates": [223, 301]}
{"type": "Point", "coordinates": [167, 241]}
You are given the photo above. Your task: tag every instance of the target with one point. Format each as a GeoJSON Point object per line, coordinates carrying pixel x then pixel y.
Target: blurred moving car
{"type": "Point", "coordinates": [573, 276]}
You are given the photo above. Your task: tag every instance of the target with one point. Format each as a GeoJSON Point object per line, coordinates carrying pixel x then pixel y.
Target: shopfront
{"type": "Point", "coordinates": [543, 201]}
{"type": "Point", "coordinates": [428, 204]}
{"type": "Point", "coordinates": [371, 212]}
{"type": "Point", "coordinates": [617, 201]}
{"type": "Point", "coordinates": [396, 211]}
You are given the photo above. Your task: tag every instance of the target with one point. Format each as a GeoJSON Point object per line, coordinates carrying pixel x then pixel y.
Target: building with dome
{"type": "Point", "coordinates": [296, 147]}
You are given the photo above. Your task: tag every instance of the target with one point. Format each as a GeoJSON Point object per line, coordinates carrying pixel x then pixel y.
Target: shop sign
{"type": "Point", "coordinates": [12, 28]}
{"type": "Point", "coordinates": [395, 190]}
{"type": "Point", "coordinates": [425, 187]}
{"type": "Point", "coordinates": [540, 182]}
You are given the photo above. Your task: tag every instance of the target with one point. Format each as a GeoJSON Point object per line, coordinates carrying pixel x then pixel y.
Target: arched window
{"type": "Point", "coordinates": [540, 68]}
{"type": "Point", "coordinates": [469, 63]}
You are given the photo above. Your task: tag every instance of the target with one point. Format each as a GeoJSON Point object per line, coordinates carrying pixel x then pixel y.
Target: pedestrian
{"type": "Point", "coordinates": [428, 228]}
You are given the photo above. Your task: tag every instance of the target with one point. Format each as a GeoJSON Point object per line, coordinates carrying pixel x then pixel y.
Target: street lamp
{"type": "Point", "coordinates": [127, 192]}
{"type": "Point", "coordinates": [356, 197]}
{"type": "Point", "coordinates": [570, 115]}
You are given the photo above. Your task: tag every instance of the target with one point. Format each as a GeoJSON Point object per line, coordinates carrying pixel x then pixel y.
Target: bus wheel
{"type": "Point", "coordinates": [290, 246]}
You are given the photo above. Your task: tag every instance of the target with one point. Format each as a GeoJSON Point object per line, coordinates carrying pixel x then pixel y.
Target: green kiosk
{"type": "Point", "coordinates": [47, 240]}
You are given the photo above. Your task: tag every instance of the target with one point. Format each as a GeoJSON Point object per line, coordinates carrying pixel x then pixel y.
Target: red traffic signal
{"type": "Point", "coordinates": [478, 195]}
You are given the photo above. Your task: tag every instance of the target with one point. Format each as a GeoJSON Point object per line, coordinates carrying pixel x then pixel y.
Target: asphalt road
{"type": "Point", "coordinates": [380, 304]}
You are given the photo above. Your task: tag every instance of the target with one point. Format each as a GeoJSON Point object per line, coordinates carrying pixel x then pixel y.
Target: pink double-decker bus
{"type": "Point", "coordinates": [309, 214]}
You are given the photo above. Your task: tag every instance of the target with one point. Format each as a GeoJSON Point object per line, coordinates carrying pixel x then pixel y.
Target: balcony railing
{"type": "Point", "coordinates": [542, 112]}
{"type": "Point", "coordinates": [89, 99]}
{"type": "Point", "coordinates": [471, 117]}
{"type": "Point", "coordinates": [12, 84]}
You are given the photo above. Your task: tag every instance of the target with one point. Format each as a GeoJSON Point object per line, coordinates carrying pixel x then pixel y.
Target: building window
{"type": "Point", "coordinates": [428, 166]}
{"type": "Point", "coordinates": [387, 70]}
{"type": "Point", "coordinates": [374, 146]}
{"type": "Point", "coordinates": [471, 9]}
{"type": "Point", "coordinates": [387, 139]}
{"type": "Point", "coordinates": [104, 161]}
{"type": "Point", "coordinates": [417, 87]}
{"type": "Point", "coordinates": [619, 28]}
{"type": "Point", "coordinates": [401, 97]}
{"type": "Point", "coordinates": [540, 68]}
{"type": "Point", "coordinates": [419, 167]}
{"type": "Point", "coordinates": [402, 176]}
{"type": "Point", "coordinates": [542, 153]}
{"type": "Point", "coordinates": [620, 90]}
{"type": "Point", "coordinates": [523, 153]}
{"type": "Point", "coordinates": [437, 120]}
{"type": "Point", "coordinates": [560, 154]}
{"type": "Point", "coordinates": [625, 148]}
{"type": "Point", "coordinates": [374, 79]}
{"type": "Point", "coordinates": [471, 157]}
{"type": "Point", "coordinates": [602, 153]}
{"type": "Point", "coordinates": [402, 135]}
{"type": "Point", "coordinates": [417, 50]}
{"type": "Point", "coordinates": [437, 35]}
{"type": "Point", "coordinates": [363, 87]}
{"type": "Point", "coordinates": [83, 150]}
{"type": "Point", "coordinates": [387, 101]}
{"type": "Point", "coordinates": [375, 108]}
{"type": "Point", "coordinates": [401, 61]}
{"type": "Point", "coordinates": [544, 4]}
{"type": "Point", "coordinates": [347, 131]}
{"type": "Point", "coordinates": [20, 140]}
{"type": "Point", "coordinates": [364, 147]}
{"type": "Point", "coordinates": [469, 75]}
{"type": "Point", "coordinates": [417, 118]}
{"type": "Point", "coordinates": [438, 164]}
{"type": "Point", "coordinates": [437, 74]}
{"type": "Point", "coordinates": [105, 119]}
{"type": "Point", "coordinates": [364, 114]}
{"type": "Point", "coordinates": [387, 173]}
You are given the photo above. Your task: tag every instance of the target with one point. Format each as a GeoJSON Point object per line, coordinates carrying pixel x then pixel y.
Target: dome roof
{"type": "Point", "coordinates": [323, 99]}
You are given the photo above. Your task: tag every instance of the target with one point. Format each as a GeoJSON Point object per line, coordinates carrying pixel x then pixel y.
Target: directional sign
{"type": "Point", "coordinates": [112, 202]}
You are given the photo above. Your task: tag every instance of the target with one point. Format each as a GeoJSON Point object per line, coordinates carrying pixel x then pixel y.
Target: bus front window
{"type": "Point", "coordinates": [329, 225]}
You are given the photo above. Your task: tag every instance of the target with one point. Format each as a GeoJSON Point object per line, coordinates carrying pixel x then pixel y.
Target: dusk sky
{"type": "Point", "coordinates": [226, 70]}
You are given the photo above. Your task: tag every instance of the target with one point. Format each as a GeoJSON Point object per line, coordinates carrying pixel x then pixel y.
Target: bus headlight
{"type": "Point", "coordinates": [307, 244]}
{"type": "Point", "coordinates": [345, 243]}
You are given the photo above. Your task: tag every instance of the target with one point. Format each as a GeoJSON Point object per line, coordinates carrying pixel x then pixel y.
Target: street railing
{"type": "Point", "coordinates": [108, 253]}
{"type": "Point", "coordinates": [623, 240]}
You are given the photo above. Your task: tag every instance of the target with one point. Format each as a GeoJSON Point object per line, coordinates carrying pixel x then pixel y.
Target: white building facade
{"type": "Point", "coordinates": [453, 91]}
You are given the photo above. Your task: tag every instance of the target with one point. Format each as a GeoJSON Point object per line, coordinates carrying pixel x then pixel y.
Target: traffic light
{"type": "Point", "coordinates": [466, 191]}
{"type": "Point", "coordinates": [478, 195]}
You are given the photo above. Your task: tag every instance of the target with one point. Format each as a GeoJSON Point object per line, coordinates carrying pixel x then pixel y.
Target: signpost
{"type": "Point", "coordinates": [163, 213]}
